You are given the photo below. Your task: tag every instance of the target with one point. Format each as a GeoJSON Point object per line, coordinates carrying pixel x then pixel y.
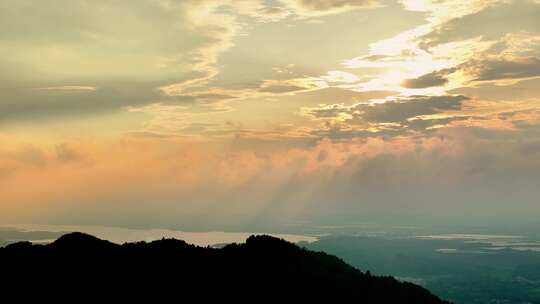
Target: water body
{"type": "Point", "coordinates": [493, 241]}
{"type": "Point", "coordinates": [122, 235]}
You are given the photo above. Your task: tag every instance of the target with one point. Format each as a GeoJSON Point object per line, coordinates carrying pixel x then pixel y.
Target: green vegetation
{"type": "Point", "coordinates": [470, 273]}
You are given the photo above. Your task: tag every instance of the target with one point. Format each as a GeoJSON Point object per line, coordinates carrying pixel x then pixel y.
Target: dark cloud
{"type": "Point", "coordinates": [26, 104]}
{"type": "Point", "coordinates": [207, 98]}
{"type": "Point", "coordinates": [49, 24]}
{"type": "Point", "coordinates": [64, 153]}
{"type": "Point", "coordinates": [126, 50]}
{"type": "Point", "coordinates": [480, 176]}
{"type": "Point", "coordinates": [375, 57]}
{"type": "Point", "coordinates": [490, 23]}
{"type": "Point", "coordinates": [394, 111]}
{"type": "Point", "coordinates": [198, 128]}
{"type": "Point", "coordinates": [274, 11]}
{"type": "Point", "coordinates": [405, 108]}
{"type": "Point", "coordinates": [317, 97]}
{"type": "Point", "coordinates": [532, 147]}
{"type": "Point", "coordinates": [514, 68]}
{"type": "Point", "coordinates": [152, 135]}
{"type": "Point", "coordinates": [279, 88]}
{"type": "Point", "coordinates": [345, 132]}
{"type": "Point", "coordinates": [391, 118]}
{"type": "Point", "coordinates": [527, 89]}
{"type": "Point", "coordinates": [324, 5]}
{"type": "Point", "coordinates": [423, 124]}
{"type": "Point", "coordinates": [330, 111]}
{"type": "Point", "coordinates": [434, 79]}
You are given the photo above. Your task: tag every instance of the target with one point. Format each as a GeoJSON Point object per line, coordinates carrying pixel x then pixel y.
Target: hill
{"type": "Point", "coordinates": [260, 270]}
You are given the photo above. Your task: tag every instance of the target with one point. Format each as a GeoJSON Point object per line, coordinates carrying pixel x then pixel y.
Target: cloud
{"type": "Point", "coordinates": [29, 105]}
{"type": "Point", "coordinates": [291, 85]}
{"type": "Point", "coordinates": [442, 11]}
{"type": "Point", "coordinates": [315, 8]}
{"type": "Point", "coordinates": [485, 22]}
{"type": "Point", "coordinates": [265, 88]}
{"type": "Point", "coordinates": [404, 108]}
{"type": "Point", "coordinates": [433, 79]}
{"type": "Point", "coordinates": [163, 181]}
{"type": "Point", "coordinates": [68, 88]}
{"type": "Point", "coordinates": [122, 52]}
{"type": "Point", "coordinates": [390, 111]}
{"type": "Point", "coordinates": [393, 117]}
{"type": "Point", "coordinates": [91, 67]}
{"type": "Point", "coordinates": [515, 68]}
{"type": "Point", "coordinates": [397, 134]}
{"type": "Point", "coordinates": [273, 11]}
{"type": "Point", "coordinates": [74, 44]}
{"type": "Point", "coordinates": [337, 77]}
{"type": "Point", "coordinates": [157, 52]}
{"type": "Point", "coordinates": [462, 44]}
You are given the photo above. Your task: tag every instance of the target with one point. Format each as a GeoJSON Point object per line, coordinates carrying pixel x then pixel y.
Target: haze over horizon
{"type": "Point", "coordinates": [247, 113]}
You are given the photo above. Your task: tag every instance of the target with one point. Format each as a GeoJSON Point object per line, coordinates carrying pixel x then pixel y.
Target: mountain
{"type": "Point", "coordinates": [78, 266]}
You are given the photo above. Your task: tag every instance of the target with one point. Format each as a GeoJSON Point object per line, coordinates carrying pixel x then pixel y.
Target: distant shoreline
{"type": "Point", "coordinates": [122, 235]}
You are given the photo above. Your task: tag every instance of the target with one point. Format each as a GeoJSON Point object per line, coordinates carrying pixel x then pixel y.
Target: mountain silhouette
{"type": "Point", "coordinates": [79, 267]}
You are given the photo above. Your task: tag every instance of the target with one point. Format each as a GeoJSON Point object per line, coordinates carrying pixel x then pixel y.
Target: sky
{"type": "Point", "coordinates": [211, 113]}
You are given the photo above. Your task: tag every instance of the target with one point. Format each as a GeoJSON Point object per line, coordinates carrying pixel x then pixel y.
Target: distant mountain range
{"type": "Point", "coordinates": [80, 267]}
